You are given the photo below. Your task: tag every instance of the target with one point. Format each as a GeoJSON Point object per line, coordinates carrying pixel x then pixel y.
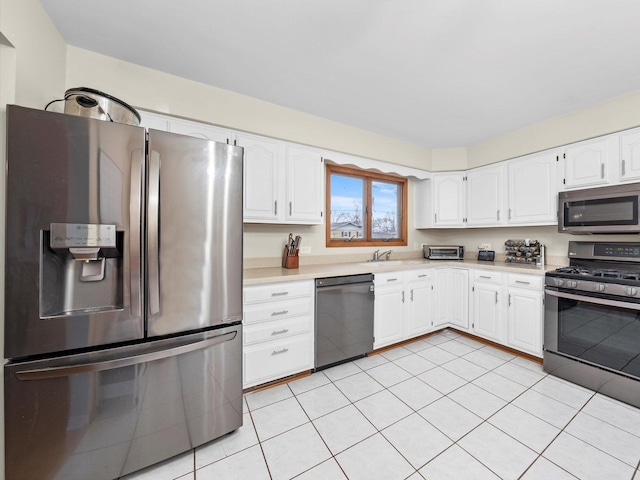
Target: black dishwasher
{"type": "Point", "coordinates": [344, 319]}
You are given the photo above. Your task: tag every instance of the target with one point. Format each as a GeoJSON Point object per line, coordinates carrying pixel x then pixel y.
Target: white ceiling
{"type": "Point", "coordinates": [436, 73]}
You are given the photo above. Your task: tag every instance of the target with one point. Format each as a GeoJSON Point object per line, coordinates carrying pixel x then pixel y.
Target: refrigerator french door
{"type": "Point", "coordinates": [123, 295]}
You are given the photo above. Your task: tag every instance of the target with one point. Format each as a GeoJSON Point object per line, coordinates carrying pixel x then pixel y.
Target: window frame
{"type": "Point", "coordinates": [368, 177]}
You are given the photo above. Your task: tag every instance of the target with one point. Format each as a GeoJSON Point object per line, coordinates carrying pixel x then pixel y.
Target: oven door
{"type": "Point", "coordinates": [594, 329]}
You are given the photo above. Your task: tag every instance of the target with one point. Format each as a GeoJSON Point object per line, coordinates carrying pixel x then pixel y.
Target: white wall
{"type": "Point", "coordinates": [32, 73]}
{"type": "Point", "coordinates": [611, 116]}
{"type": "Point", "coordinates": [153, 90]}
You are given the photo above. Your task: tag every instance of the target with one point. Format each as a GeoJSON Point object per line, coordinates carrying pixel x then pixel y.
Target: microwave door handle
{"type": "Point", "coordinates": [100, 365]}
{"type": "Point", "coordinates": [596, 300]}
{"type": "Point", "coordinates": [135, 226]}
{"type": "Point", "coordinates": [153, 237]}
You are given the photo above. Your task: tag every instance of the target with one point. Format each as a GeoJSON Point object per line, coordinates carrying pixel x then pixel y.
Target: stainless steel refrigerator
{"type": "Point", "coordinates": [123, 303]}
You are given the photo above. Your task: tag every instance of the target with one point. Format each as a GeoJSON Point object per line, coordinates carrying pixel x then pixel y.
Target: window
{"type": "Point", "coordinates": [365, 208]}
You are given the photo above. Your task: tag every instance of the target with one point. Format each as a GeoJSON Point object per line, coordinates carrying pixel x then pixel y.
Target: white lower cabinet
{"type": "Point", "coordinates": [507, 309]}
{"type": "Point", "coordinates": [451, 297]}
{"type": "Point", "coordinates": [277, 331]}
{"type": "Point", "coordinates": [403, 306]}
{"type": "Point", "coordinates": [525, 316]}
{"type": "Point", "coordinates": [488, 305]}
{"type": "Point", "coordinates": [420, 302]}
{"type": "Point", "coordinates": [390, 312]}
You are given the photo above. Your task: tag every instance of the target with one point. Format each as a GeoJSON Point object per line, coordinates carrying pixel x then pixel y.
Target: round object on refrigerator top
{"type": "Point", "coordinates": [88, 102]}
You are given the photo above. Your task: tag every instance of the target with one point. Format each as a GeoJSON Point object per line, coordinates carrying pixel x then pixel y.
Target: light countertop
{"type": "Point", "coordinates": [254, 276]}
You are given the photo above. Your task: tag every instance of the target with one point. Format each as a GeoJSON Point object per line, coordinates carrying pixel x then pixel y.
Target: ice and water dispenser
{"type": "Point", "coordinates": [81, 269]}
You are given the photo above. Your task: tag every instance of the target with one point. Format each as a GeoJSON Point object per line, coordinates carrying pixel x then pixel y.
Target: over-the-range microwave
{"type": "Point", "coordinates": [611, 209]}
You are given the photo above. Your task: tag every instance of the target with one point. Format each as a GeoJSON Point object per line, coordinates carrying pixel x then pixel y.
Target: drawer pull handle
{"type": "Point", "coordinates": [283, 312]}
{"type": "Point", "coordinates": [279, 294]}
{"type": "Point", "coordinates": [280, 332]}
{"type": "Point", "coordinates": [484, 276]}
{"type": "Point", "coordinates": [392, 279]}
{"type": "Point", "coordinates": [523, 282]}
{"type": "Point", "coordinates": [278, 352]}
{"type": "Point", "coordinates": [422, 276]}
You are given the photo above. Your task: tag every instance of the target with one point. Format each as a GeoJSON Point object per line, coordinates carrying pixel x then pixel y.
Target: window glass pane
{"type": "Point", "coordinates": [347, 194]}
{"type": "Point", "coordinates": [385, 212]}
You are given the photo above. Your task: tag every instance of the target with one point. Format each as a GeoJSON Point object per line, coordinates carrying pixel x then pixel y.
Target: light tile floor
{"type": "Point", "coordinates": [445, 407]}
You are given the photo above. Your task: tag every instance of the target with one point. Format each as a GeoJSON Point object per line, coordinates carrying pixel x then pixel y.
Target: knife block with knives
{"type": "Point", "coordinates": [290, 258]}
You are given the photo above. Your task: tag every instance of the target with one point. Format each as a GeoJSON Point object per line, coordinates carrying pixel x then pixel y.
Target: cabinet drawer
{"type": "Point", "coordinates": [419, 275]}
{"type": "Point", "coordinates": [277, 310]}
{"type": "Point", "coordinates": [388, 278]}
{"type": "Point", "coordinates": [533, 282]}
{"type": "Point", "coordinates": [277, 330]}
{"type": "Point", "coordinates": [269, 361]}
{"type": "Point", "coordinates": [277, 291]}
{"type": "Point", "coordinates": [487, 276]}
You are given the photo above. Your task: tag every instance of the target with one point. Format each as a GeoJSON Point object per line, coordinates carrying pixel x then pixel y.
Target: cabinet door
{"type": "Point", "coordinates": [587, 163]}
{"type": "Point", "coordinates": [262, 199]}
{"type": "Point", "coordinates": [153, 120]}
{"type": "Point", "coordinates": [630, 155]}
{"type": "Point", "coordinates": [448, 200]}
{"type": "Point", "coordinates": [442, 297]}
{"type": "Point", "coordinates": [420, 308]}
{"type": "Point", "coordinates": [485, 196]}
{"type": "Point", "coordinates": [200, 130]}
{"type": "Point", "coordinates": [305, 185]}
{"type": "Point", "coordinates": [487, 312]}
{"type": "Point", "coordinates": [460, 298]}
{"type": "Point", "coordinates": [389, 315]}
{"type": "Point", "coordinates": [524, 324]}
{"type": "Point", "coordinates": [533, 189]}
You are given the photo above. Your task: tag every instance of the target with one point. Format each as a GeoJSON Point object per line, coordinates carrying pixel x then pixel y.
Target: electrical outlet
{"type": "Point", "coordinates": [416, 246]}
{"type": "Point", "coordinates": [305, 250]}
{"type": "Point", "coordinates": [484, 246]}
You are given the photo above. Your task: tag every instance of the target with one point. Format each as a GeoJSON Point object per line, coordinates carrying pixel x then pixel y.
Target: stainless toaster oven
{"type": "Point", "coordinates": [443, 252]}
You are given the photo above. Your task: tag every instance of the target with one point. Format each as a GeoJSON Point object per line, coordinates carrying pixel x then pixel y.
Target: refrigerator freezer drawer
{"type": "Point", "coordinates": [111, 414]}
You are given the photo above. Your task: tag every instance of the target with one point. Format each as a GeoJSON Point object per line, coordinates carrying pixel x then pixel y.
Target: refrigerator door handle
{"type": "Point", "coordinates": [135, 241]}
{"type": "Point", "coordinates": [152, 233]}
{"type": "Point", "coordinates": [65, 371]}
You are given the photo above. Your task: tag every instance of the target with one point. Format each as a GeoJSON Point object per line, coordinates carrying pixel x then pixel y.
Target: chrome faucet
{"type": "Point", "coordinates": [377, 255]}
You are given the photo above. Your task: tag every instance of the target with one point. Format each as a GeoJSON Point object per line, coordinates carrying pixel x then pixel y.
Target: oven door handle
{"type": "Point", "coordinates": [596, 300]}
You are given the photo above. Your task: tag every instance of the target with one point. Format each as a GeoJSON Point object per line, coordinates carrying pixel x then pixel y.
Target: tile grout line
{"type": "Point", "coordinates": [414, 411]}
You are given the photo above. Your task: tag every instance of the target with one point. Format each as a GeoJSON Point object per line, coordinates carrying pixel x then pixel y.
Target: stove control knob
{"type": "Point", "coordinates": [559, 282]}
{"type": "Point", "coordinates": [599, 287]}
{"type": "Point", "coordinates": [630, 291]}
{"type": "Point", "coordinates": [572, 284]}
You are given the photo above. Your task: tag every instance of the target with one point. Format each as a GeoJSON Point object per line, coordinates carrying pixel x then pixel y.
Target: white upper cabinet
{"type": "Point", "coordinates": [167, 123]}
{"type": "Point", "coordinates": [587, 164]}
{"type": "Point", "coordinates": [629, 144]}
{"type": "Point", "coordinates": [154, 120]}
{"type": "Point", "coordinates": [486, 196]}
{"type": "Point", "coordinates": [532, 189]}
{"type": "Point", "coordinates": [448, 199]}
{"type": "Point", "coordinates": [201, 130]}
{"type": "Point", "coordinates": [305, 185]}
{"type": "Point", "coordinates": [262, 184]}
{"type": "Point", "coordinates": [283, 183]}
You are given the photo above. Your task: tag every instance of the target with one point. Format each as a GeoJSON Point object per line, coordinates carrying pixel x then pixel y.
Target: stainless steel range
{"type": "Point", "coordinates": [592, 319]}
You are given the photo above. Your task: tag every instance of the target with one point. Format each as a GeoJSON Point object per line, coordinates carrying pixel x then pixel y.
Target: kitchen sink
{"type": "Point", "coordinates": [391, 263]}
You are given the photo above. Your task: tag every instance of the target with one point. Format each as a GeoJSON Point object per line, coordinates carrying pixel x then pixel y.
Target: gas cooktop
{"type": "Point", "coordinates": [600, 268]}
{"type": "Point", "coordinates": [602, 274]}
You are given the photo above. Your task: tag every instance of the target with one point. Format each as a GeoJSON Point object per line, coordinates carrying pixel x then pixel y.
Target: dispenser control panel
{"type": "Point", "coordinates": [74, 235]}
